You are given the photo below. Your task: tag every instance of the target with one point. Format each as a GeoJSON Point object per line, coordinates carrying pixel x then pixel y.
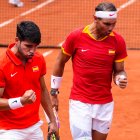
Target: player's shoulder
{"type": "Point", "coordinates": [118, 36]}
{"type": "Point", "coordinates": [77, 31]}
{"type": "Point", "coordinates": [4, 60]}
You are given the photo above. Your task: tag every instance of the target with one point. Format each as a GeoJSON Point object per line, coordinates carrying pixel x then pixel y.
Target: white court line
{"type": "Point", "coordinates": [26, 13]}
{"type": "Point", "coordinates": [50, 1]}
{"type": "Point", "coordinates": [36, 8]}
{"type": "Point", "coordinates": [60, 44]}
{"type": "Point", "coordinates": [47, 53]}
{"type": "Point", "coordinates": [126, 4]}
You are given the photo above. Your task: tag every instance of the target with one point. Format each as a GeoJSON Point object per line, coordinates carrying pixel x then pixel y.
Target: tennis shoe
{"type": "Point", "coordinates": [16, 3]}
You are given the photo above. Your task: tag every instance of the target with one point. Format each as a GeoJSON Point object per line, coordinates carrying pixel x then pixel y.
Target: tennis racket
{"type": "Point", "coordinates": [53, 135]}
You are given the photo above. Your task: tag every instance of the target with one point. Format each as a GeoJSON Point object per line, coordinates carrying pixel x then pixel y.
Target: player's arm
{"type": "Point", "coordinates": [13, 103]}
{"type": "Point", "coordinates": [47, 106]}
{"type": "Point", "coordinates": [56, 77]}
{"type": "Point", "coordinates": [120, 76]}
{"type": "Point", "coordinates": [3, 102]}
{"type": "Point", "coordinates": [61, 59]}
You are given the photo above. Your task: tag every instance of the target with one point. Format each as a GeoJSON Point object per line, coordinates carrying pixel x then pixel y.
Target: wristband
{"type": "Point", "coordinates": [55, 82]}
{"type": "Point", "coordinates": [15, 103]}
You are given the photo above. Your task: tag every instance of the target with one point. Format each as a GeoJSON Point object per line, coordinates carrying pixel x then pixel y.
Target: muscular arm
{"type": "Point", "coordinates": [3, 102]}
{"type": "Point", "coordinates": [120, 70]}
{"type": "Point", "coordinates": [28, 98]}
{"type": "Point", "coordinates": [60, 64]}
{"type": "Point", "coordinates": [45, 100]}
{"type": "Point", "coordinates": [47, 106]}
{"type": "Point", "coordinates": [58, 71]}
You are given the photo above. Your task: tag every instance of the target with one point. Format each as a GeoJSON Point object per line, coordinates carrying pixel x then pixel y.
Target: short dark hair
{"type": "Point", "coordinates": [105, 6]}
{"type": "Point", "coordinates": [29, 31]}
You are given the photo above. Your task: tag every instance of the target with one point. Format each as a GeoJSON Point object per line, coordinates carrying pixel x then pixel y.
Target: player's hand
{"type": "Point", "coordinates": [29, 97]}
{"type": "Point", "coordinates": [53, 129]}
{"type": "Point", "coordinates": [121, 81]}
{"type": "Point", "coordinates": [55, 102]}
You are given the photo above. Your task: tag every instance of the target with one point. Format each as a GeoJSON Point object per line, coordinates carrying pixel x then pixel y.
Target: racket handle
{"type": "Point", "coordinates": [53, 137]}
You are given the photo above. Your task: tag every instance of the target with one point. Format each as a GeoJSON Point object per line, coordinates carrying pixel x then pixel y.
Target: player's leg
{"type": "Point", "coordinates": [34, 132]}
{"type": "Point", "coordinates": [80, 120]}
{"type": "Point", "coordinates": [11, 135]}
{"type": "Point", "coordinates": [31, 133]}
{"type": "Point", "coordinates": [98, 136]}
{"type": "Point", "coordinates": [102, 122]}
{"type": "Point", "coordinates": [37, 134]}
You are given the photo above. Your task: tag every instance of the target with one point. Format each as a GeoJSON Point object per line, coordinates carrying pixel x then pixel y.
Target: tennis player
{"type": "Point", "coordinates": [97, 53]}
{"type": "Point", "coordinates": [23, 88]}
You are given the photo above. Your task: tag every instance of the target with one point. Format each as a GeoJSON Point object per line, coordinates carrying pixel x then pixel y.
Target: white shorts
{"type": "Point", "coordinates": [87, 117]}
{"type": "Point", "coordinates": [31, 133]}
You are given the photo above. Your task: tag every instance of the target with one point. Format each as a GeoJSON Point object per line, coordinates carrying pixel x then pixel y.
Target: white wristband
{"type": "Point", "coordinates": [15, 103]}
{"type": "Point", "coordinates": [55, 82]}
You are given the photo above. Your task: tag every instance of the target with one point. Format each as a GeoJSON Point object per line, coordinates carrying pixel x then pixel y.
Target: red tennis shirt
{"type": "Point", "coordinates": [93, 64]}
{"type": "Point", "coordinates": [16, 79]}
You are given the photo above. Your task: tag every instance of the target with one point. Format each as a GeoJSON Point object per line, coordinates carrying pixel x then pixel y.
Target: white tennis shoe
{"type": "Point", "coordinates": [16, 3]}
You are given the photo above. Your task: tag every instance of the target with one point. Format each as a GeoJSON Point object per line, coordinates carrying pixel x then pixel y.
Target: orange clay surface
{"type": "Point", "coordinates": [126, 119]}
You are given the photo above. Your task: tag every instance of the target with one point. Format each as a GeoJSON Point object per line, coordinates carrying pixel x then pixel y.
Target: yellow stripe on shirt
{"type": "Point", "coordinates": [121, 60]}
{"type": "Point", "coordinates": [65, 52]}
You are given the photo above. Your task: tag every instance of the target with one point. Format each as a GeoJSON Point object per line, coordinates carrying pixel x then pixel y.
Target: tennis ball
{"type": "Point", "coordinates": [121, 77]}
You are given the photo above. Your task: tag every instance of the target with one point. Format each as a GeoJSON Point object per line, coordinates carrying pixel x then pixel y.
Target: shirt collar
{"type": "Point", "coordinates": [86, 30]}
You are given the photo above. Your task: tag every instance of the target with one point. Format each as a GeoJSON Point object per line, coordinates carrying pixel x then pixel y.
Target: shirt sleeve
{"type": "Point", "coordinates": [68, 47]}
{"type": "Point", "coordinates": [2, 79]}
{"type": "Point", "coordinates": [121, 51]}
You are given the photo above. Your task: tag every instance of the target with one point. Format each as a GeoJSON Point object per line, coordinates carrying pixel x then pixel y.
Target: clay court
{"type": "Point", "coordinates": [56, 18]}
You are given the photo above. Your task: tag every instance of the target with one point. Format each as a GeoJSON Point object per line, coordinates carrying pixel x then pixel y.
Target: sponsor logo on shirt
{"type": "Point", "coordinates": [35, 69]}
{"type": "Point", "coordinates": [13, 74]}
{"type": "Point", "coordinates": [84, 50]}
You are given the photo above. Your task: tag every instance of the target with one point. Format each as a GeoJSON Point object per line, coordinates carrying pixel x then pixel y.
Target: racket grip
{"type": "Point", "coordinates": [52, 137]}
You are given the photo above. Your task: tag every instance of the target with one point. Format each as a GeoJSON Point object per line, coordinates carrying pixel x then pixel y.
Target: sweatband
{"type": "Point", "coordinates": [15, 103]}
{"type": "Point", "coordinates": [55, 82]}
{"type": "Point", "coordinates": [106, 14]}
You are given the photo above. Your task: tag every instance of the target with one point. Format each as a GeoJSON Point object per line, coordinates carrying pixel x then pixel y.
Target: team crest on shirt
{"type": "Point", "coordinates": [111, 52]}
{"type": "Point", "coordinates": [35, 69]}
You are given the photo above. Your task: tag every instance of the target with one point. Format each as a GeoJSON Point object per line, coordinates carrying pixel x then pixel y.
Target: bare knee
{"type": "Point", "coordinates": [98, 136]}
